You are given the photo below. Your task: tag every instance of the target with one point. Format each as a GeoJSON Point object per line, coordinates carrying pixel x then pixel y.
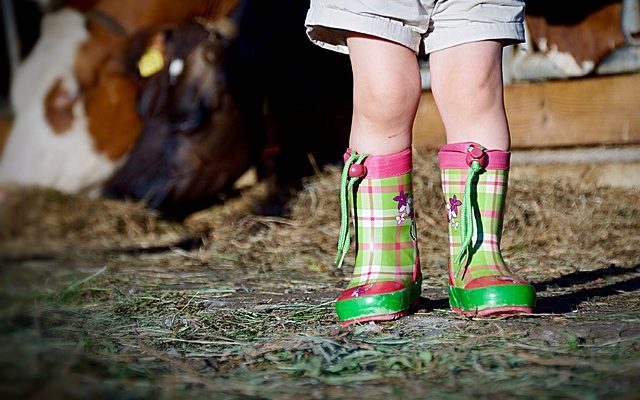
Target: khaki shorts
{"type": "Point", "coordinates": [421, 25]}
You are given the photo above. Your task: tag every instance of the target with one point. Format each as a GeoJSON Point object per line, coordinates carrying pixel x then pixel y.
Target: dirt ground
{"type": "Point", "coordinates": [100, 299]}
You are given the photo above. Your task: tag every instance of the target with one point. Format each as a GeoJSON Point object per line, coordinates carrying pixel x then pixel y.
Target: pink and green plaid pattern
{"type": "Point", "coordinates": [386, 247]}
{"type": "Point", "coordinates": [485, 258]}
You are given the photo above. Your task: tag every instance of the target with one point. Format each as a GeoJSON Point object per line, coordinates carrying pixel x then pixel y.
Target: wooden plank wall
{"type": "Point", "coordinates": [577, 112]}
{"type": "Point", "coordinates": [5, 127]}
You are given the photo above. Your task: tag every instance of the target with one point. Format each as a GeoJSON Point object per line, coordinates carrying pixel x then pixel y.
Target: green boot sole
{"type": "Point", "coordinates": [378, 307]}
{"type": "Point", "coordinates": [493, 300]}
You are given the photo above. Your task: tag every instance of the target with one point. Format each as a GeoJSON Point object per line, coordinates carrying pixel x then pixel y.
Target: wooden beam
{"type": "Point", "coordinates": [578, 112]}
{"type": "Point", "coordinates": [5, 128]}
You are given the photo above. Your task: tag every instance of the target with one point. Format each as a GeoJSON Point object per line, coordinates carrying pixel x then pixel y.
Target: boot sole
{"type": "Point", "coordinates": [493, 300]}
{"type": "Point", "coordinates": [379, 307]}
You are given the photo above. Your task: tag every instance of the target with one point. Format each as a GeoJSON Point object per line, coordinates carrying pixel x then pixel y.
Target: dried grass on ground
{"type": "Point", "coordinates": [102, 299]}
{"type": "Point", "coordinates": [551, 227]}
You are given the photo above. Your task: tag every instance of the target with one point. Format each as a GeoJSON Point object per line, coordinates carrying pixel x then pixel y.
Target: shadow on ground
{"type": "Point", "coordinates": [566, 302]}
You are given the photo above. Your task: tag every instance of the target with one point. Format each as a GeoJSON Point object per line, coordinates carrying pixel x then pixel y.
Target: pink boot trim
{"type": "Point", "coordinates": [454, 156]}
{"type": "Point", "coordinates": [486, 281]}
{"type": "Point", "coordinates": [371, 289]}
{"type": "Point", "coordinates": [379, 167]}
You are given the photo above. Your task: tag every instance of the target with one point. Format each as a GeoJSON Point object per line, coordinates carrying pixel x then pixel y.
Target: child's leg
{"type": "Point", "coordinates": [467, 86]}
{"type": "Point", "coordinates": [386, 93]}
{"type": "Point", "coordinates": [377, 184]}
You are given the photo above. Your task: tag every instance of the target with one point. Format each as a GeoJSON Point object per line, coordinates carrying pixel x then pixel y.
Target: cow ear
{"type": "Point", "coordinates": [226, 29]}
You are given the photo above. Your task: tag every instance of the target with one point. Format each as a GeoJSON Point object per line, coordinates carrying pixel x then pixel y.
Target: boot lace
{"type": "Point", "coordinates": [466, 220]}
{"type": "Point", "coordinates": [346, 186]}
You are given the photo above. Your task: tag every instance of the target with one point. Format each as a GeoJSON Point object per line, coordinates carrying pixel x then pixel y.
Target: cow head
{"type": "Point", "coordinates": [194, 142]}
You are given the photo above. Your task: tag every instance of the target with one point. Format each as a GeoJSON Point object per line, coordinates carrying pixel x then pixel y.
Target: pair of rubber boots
{"type": "Point", "coordinates": [387, 279]}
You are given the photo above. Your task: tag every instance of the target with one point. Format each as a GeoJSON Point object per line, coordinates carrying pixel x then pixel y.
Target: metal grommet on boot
{"type": "Point", "coordinates": [477, 153]}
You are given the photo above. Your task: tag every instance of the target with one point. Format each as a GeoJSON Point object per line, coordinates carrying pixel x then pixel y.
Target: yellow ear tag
{"type": "Point", "coordinates": [151, 62]}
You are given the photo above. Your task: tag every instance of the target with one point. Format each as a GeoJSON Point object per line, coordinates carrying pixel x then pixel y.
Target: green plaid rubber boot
{"type": "Point", "coordinates": [386, 277]}
{"type": "Point", "coordinates": [474, 182]}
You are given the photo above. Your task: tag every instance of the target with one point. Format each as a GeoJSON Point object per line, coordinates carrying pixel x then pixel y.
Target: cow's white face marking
{"type": "Point", "coordinates": [176, 67]}
{"type": "Point", "coordinates": [34, 154]}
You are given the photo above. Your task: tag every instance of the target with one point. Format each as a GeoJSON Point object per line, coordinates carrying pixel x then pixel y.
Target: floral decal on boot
{"type": "Point", "coordinates": [452, 211]}
{"type": "Point", "coordinates": [404, 207]}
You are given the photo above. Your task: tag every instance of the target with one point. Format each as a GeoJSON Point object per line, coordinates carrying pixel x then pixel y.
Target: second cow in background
{"type": "Point", "coordinates": [250, 90]}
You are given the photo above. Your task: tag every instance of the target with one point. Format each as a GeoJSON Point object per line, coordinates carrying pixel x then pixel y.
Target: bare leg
{"type": "Point", "coordinates": [467, 87]}
{"type": "Point", "coordinates": [386, 276]}
{"type": "Point", "coordinates": [386, 93]}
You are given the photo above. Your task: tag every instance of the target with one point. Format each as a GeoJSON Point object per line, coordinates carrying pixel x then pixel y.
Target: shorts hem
{"type": "Point", "coordinates": [329, 28]}
{"type": "Point", "coordinates": [445, 37]}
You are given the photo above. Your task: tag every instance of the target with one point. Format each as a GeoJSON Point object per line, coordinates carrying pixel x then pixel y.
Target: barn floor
{"type": "Point", "coordinates": [100, 299]}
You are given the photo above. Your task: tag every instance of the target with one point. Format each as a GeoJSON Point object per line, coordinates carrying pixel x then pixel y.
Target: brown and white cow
{"type": "Point", "coordinates": [75, 116]}
{"type": "Point", "coordinates": [38, 153]}
{"type": "Point", "coordinates": [575, 38]}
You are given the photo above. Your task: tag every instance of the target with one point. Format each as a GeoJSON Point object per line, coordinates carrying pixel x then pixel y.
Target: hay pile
{"type": "Point", "coordinates": [552, 227]}
{"type": "Point", "coordinates": [37, 221]}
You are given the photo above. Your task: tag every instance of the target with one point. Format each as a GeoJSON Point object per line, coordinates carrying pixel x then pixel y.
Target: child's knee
{"type": "Point", "coordinates": [387, 97]}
